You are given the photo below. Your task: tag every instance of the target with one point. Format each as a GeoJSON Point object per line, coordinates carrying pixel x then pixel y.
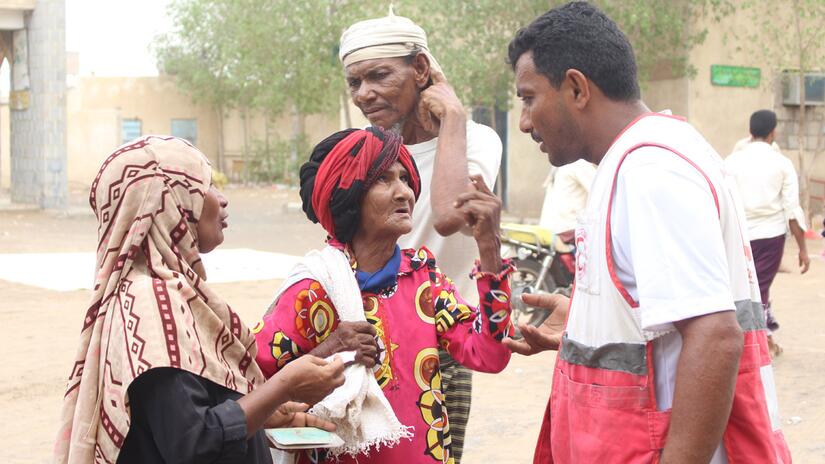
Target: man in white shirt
{"type": "Point", "coordinates": [666, 305]}
{"type": "Point", "coordinates": [398, 85]}
{"type": "Point", "coordinates": [742, 143]}
{"type": "Point", "coordinates": [566, 195]}
{"type": "Point", "coordinates": [768, 186]}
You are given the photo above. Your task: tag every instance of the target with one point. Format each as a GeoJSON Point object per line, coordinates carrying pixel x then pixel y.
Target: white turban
{"type": "Point", "coordinates": [388, 37]}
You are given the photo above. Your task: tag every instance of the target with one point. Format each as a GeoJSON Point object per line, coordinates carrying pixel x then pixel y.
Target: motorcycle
{"type": "Point", "coordinates": [544, 262]}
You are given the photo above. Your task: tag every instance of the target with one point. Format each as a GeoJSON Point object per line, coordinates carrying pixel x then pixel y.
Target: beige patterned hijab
{"type": "Point", "coordinates": [151, 306]}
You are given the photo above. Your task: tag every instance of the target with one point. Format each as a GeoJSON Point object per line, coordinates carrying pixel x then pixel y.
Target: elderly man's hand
{"type": "Point", "coordinates": [351, 336]}
{"type": "Point", "coordinates": [548, 335]}
{"type": "Point", "coordinates": [438, 102]}
{"type": "Point", "coordinates": [481, 210]}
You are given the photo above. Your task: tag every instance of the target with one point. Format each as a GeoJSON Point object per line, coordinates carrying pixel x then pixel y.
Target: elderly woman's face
{"type": "Point", "coordinates": [212, 221]}
{"type": "Point", "coordinates": [388, 205]}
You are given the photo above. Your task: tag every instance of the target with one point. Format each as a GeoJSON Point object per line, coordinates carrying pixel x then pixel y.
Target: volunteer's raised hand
{"type": "Point", "coordinates": [548, 335]}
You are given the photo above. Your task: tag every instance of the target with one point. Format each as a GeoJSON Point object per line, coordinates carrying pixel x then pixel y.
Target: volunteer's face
{"type": "Point", "coordinates": [212, 221]}
{"type": "Point", "coordinates": [384, 89]}
{"type": "Point", "coordinates": [544, 115]}
{"type": "Point", "coordinates": [387, 207]}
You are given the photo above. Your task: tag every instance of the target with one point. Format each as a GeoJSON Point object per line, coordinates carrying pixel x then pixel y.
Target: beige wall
{"type": "Point", "coordinates": [236, 136]}
{"type": "Point", "coordinates": [721, 114]}
{"type": "Point", "coordinates": [667, 94]}
{"type": "Point", "coordinates": [527, 169]}
{"type": "Point", "coordinates": [96, 106]}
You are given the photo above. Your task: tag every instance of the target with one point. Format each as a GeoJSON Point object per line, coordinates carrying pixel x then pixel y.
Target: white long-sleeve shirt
{"type": "Point", "coordinates": [456, 254]}
{"type": "Point", "coordinates": [742, 143]}
{"type": "Point", "coordinates": [567, 195]}
{"type": "Point", "coordinates": [769, 188]}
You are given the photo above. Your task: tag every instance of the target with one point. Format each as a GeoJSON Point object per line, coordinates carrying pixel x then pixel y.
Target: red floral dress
{"type": "Point", "coordinates": [411, 319]}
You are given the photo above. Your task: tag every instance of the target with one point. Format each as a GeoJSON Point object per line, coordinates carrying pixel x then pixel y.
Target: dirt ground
{"type": "Point", "coordinates": [40, 328]}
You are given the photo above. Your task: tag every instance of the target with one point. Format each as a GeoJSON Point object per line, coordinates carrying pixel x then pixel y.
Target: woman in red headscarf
{"type": "Point", "coordinates": [392, 307]}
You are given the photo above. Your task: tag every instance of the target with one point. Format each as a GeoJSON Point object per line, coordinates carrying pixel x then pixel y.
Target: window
{"type": "Point", "coordinates": [186, 129]}
{"type": "Point", "coordinates": [814, 88]}
{"type": "Point", "coordinates": [129, 130]}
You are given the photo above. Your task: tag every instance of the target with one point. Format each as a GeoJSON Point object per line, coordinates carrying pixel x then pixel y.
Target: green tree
{"type": "Point", "coordinates": [280, 56]}
{"type": "Point", "coordinates": [662, 33]}
{"type": "Point", "coordinates": [291, 54]}
{"type": "Point", "coordinates": [200, 51]}
{"type": "Point", "coordinates": [470, 38]}
{"type": "Point", "coordinates": [270, 56]}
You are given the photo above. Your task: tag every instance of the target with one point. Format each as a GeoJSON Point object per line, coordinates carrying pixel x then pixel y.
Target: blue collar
{"type": "Point", "coordinates": [382, 278]}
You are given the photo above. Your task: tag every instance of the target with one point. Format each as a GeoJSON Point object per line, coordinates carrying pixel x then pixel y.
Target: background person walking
{"type": "Point", "coordinates": [768, 185]}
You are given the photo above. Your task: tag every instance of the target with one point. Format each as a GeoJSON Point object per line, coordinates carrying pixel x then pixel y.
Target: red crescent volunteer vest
{"type": "Point", "coordinates": [603, 406]}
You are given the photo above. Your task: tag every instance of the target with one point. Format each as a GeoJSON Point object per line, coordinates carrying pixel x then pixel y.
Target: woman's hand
{"type": "Point", "coordinates": [482, 213]}
{"type": "Point", "coordinates": [294, 415]}
{"type": "Point", "coordinates": [309, 379]}
{"type": "Point", "coordinates": [306, 380]}
{"type": "Point", "coordinates": [351, 336]}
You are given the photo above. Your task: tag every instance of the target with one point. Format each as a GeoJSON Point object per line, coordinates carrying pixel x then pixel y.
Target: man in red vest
{"type": "Point", "coordinates": [663, 355]}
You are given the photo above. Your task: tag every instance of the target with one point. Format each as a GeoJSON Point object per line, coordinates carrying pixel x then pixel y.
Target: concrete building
{"type": "Point", "coordinates": [105, 112]}
{"type": "Point", "coordinates": [33, 39]}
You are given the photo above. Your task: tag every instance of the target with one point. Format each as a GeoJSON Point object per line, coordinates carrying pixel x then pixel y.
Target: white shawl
{"type": "Point", "coordinates": [359, 409]}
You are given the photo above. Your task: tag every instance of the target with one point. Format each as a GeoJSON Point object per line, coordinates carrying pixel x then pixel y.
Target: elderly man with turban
{"type": "Point", "coordinates": [398, 85]}
{"type": "Point", "coordinates": [394, 307]}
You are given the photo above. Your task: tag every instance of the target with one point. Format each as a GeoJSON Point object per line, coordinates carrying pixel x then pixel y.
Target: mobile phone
{"type": "Point", "coordinates": [303, 438]}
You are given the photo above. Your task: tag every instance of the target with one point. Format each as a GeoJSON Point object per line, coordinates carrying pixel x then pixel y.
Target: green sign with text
{"type": "Point", "coordinates": [734, 76]}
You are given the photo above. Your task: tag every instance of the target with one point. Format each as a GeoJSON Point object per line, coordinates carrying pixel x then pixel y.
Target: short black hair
{"type": "Point", "coordinates": [580, 36]}
{"type": "Point", "coordinates": [763, 122]}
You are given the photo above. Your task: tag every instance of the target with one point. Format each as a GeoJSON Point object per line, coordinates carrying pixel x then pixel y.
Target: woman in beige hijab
{"type": "Point", "coordinates": [165, 370]}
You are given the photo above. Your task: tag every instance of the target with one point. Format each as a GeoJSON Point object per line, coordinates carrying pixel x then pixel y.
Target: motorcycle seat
{"type": "Point", "coordinates": [534, 233]}
{"type": "Point", "coordinates": [527, 233]}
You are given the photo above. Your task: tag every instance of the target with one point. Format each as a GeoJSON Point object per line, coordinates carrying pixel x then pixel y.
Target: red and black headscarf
{"type": "Point", "coordinates": [342, 168]}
